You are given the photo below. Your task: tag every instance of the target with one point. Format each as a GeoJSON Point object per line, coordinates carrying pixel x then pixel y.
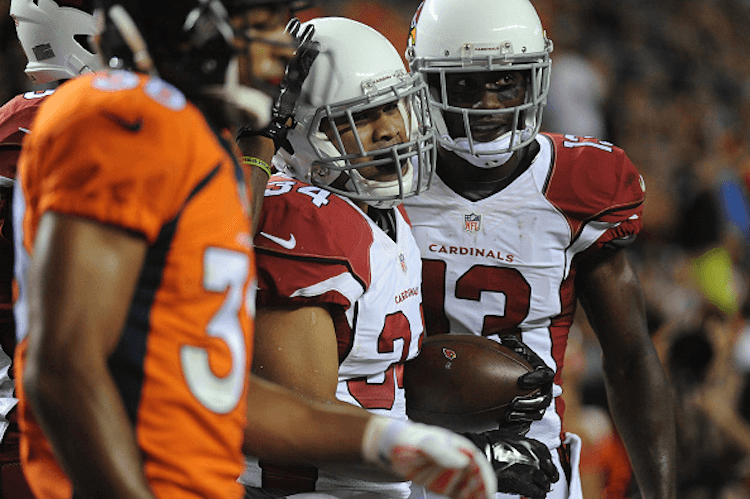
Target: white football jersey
{"type": "Point", "coordinates": [7, 392]}
{"type": "Point", "coordinates": [316, 248]}
{"type": "Point", "coordinates": [506, 263]}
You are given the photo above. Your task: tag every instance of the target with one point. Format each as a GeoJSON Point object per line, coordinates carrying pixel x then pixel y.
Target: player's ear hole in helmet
{"type": "Point", "coordinates": [360, 113]}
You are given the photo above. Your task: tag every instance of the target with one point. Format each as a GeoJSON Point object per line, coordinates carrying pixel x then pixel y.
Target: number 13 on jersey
{"type": "Point", "coordinates": [470, 289]}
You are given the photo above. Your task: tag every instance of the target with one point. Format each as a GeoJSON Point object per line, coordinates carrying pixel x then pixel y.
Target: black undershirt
{"type": "Point", "coordinates": [385, 219]}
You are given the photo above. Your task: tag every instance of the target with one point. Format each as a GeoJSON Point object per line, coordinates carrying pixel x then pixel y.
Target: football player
{"type": "Point", "coordinates": [519, 225]}
{"type": "Point", "coordinates": [136, 276]}
{"type": "Point", "coordinates": [54, 37]}
{"type": "Point", "coordinates": [339, 302]}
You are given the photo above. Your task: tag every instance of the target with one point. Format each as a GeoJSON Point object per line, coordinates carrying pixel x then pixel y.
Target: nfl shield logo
{"type": "Point", "coordinates": [472, 222]}
{"type": "Point", "coordinates": [403, 263]}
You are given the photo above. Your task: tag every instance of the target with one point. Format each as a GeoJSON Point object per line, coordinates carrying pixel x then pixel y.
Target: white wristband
{"type": "Point", "coordinates": [379, 437]}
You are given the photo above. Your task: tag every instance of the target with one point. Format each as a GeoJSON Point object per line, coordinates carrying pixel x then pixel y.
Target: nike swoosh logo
{"type": "Point", "coordinates": [131, 126]}
{"type": "Point", "coordinates": [284, 243]}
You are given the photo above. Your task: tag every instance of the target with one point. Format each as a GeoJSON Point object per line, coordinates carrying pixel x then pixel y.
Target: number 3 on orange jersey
{"type": "Point", "coordinates": [223, 271]}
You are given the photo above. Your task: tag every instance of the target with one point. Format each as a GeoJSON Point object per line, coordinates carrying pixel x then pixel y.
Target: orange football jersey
{"type": "Point", "coordinates": [129, 151]}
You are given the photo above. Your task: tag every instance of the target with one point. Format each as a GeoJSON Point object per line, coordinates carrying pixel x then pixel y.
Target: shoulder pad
{"type": "Point", "coordinates": [322, 226]}
{"type": "Point", "coordinates": [17, 114]}
{"type": "Point", "coordinates": [592, 179]}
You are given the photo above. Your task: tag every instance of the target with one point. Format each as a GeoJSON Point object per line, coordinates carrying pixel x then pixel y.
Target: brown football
{"type": "Point", "coordinates": [462, 382]}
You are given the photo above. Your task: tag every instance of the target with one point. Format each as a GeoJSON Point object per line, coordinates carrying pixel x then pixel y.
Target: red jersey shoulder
{"type": "Point", "coordinates": [592, 179]}
{"type": "Point", "coordinates": [17, 114]}
{"type": "Point", "coordinates": [304, 221]}
{"type": "Point", "coordinates": [15, 122]}
{"type": "Point", "coordinates": [402, 210]}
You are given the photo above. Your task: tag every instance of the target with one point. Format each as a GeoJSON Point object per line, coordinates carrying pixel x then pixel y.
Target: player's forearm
{"type": "Point", "coordinates": [283, 426]}
{"type": "Point", "coordinates": [261, 148]}
{"type": "Point", "coordinates": [637, 388]}
{"type": "Point", "coordinates": [82, 415]}
{"type": "Point", "coordinates": [642, 409]}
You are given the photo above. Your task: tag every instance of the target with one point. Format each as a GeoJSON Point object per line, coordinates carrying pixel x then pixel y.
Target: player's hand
{"type": "Point", "coordinates": [282, 113]}
{"type": "Point", "coordinates": [522, 465]}
{"type": "Point", "coordinates": [442, 461]}
{"type": "Point", "coordinates": [526, 409]}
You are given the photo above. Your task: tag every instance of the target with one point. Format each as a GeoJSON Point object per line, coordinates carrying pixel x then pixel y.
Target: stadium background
{"type": "Point", "coordinates": [669, 82]}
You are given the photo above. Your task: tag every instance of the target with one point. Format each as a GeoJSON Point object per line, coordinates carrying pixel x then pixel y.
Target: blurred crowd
{"type": "Point", "coordinates": [669, 82]}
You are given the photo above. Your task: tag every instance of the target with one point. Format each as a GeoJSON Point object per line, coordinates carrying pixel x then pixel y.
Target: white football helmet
{"type": "Point", "coordinates": [356, 70]}
{"type": "Point", "coordinates": [469, 36]}
{"type": "Point", "coordinates": [55, 39]}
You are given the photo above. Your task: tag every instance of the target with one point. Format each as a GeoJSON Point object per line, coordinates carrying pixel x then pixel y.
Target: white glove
{"type": "Point", "coordinates": [442, 461]}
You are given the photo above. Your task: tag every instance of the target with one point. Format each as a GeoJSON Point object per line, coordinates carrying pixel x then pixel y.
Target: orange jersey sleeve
{"type": "Point", "coordinates": [128, 151]}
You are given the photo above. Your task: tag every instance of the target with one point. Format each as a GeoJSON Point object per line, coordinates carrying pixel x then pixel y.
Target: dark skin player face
{"type": "Point", "coordinates": [264, 62]}
{"type": "Point", "coordinates": [262, 66]}
{"type": "Point", "coordinates": [495, 90]}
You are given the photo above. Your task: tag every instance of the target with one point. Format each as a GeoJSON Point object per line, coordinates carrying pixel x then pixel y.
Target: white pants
{"type": "Point", "coordinates": [560, 490]}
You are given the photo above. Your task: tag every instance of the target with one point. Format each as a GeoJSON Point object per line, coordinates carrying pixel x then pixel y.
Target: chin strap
{"type": "Point", "coordinates": [485, 155]}
{"type": "Point", "coordinates": [381, 189]}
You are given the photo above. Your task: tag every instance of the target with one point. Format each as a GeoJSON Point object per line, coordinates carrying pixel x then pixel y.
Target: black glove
{"type": "Point", "coordinates": [525, 409]}
{"type": "Point", "coordinates": [282, 113]}
{"type": "Point", "coordinates": [523, 465]}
